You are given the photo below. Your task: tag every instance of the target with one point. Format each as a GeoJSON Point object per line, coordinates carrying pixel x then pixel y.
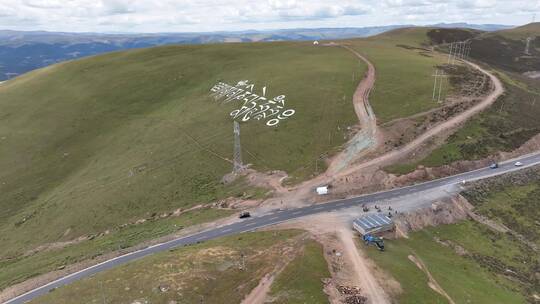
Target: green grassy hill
{"type": "Point", "coordinates": [474, 274]}
{"type": "Point", "coordinates": [513, 119]}
{"type": "Point", "coordinates": [510, 48]}
{"type": "Point", "coordinates": [211, 272]}
{"type": "Point", "coordinates": [93, 144]}
{"type": "Point", "coordinates": [520, 32]}
{"type": "Point", "coordinates": [89, 145]}
{"type": "Point", "coordinates": [405, 63]}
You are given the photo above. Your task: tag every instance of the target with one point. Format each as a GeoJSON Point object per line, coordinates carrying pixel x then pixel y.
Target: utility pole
{"type": "Point", "coordinates": [450, 53]}
{"type": "Point", "coordinates": [435, 83]}
{"type": "Point", "coordinates": [527, 45]}
{"type": "Point", "coordinates": [237, 161]}
{"type": "Point", "coordinates": [441, 83]}
{"type": "Point", "coordinates": [438, 85]}
{"type": "Point", "coordinates": [456, 50]}
{"type": "Point", "coordinates": [102, 293]}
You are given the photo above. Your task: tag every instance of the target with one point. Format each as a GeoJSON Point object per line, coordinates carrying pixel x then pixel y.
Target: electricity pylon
{"type": "Point", "coordinates": [237, 161]}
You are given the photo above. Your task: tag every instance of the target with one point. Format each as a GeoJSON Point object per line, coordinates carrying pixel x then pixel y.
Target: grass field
{"type": "Point", "coordinates": [404, 67]}
{"type": "Point", "coordinates": [92, 144]}
{"type": "Point", "coordinates": [512, 201]}
{"type": "Point", "coordinates": [477, 276]}
{"type": "Point", "coordinates": [211, 272]}
{"type": "Point", "coordinates": [17, 269]}
{"type": "Point", "coordinates": [301, 281]}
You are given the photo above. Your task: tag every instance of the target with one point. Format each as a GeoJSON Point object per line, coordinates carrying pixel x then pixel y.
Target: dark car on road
{"type": "Point", "coordinates": [244, 214]}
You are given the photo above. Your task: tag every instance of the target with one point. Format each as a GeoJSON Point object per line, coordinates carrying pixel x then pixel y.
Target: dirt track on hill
{"type": "Point", "coordinates": [452, 123]}
{"type": "Point", "coordinates": [368, 137]}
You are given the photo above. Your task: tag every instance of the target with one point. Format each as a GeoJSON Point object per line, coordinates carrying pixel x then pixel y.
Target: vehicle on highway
{"type": "Point", "coordinates": [494, 166]}
{"type": "Point", "coordinates": [244, 214]}
{"type": "Point", "coordinates": [518, 164]}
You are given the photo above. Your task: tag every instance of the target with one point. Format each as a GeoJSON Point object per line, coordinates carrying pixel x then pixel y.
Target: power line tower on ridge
{"type": "Point", "coordinates": [237, 161]}
{"type": "Point", "coordinates": [440, 79]}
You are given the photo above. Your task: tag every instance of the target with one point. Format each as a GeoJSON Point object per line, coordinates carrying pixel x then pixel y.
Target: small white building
{"type": "Point", "coordinates": [322, 190]}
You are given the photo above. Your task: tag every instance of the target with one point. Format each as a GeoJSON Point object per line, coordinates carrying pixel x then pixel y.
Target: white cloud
{"type": "Point", "coordinates": [208, 15]}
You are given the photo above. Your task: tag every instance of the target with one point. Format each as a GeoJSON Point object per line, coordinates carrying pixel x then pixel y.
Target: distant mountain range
{"type": "Point", "coordinates": [21, 52]}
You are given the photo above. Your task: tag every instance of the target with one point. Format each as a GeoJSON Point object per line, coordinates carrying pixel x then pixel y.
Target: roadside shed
{"type": "Point", "coordinates": [373, 223]}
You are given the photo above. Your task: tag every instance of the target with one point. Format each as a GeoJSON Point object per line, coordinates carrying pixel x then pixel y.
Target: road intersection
{"type": "Point", "coordinates": [281, 216]}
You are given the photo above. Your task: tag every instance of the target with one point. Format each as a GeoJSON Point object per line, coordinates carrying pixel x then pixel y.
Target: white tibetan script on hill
{"type": "Point", "coordinates": [254, 106]}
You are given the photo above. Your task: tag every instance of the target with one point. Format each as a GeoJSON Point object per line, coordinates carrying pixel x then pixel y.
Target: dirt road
{"type": "Point", "coordinates": [367, 281]}
{"type": "Point", "coordinates": [334, 232]}
{"type": "Point", "coordinates": [367, 139]}
{"type": "Point", "coordinates": [300, 194]}
{"type": "Point", "coordinates": [452, 123]}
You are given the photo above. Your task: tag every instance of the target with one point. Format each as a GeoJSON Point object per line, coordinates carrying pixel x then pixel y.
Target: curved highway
{"type": "Point", "coordinates": [278, 217]}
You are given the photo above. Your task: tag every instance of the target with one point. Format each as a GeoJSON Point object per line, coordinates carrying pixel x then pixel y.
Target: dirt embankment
{"type": "Point", "coordinates": [442, 212]}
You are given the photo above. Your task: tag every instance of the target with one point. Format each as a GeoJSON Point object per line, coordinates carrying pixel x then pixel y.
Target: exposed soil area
{"type": "Point", "coordinates": [368, 137]}
{"type": "Point", "coordinates": [439, 213]}
{"type": "Point", "coordinates": [260, 293]}
{"type": "Point", "coordinates": [354, 276]}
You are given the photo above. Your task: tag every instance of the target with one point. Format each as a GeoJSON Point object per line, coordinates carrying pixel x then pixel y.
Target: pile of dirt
{"type": "Point", "coordinates": [466, 81]}
{"type": "Point", "coordinates": [444, 212]}
{"type": "Point", "coordinates": [351, 295]}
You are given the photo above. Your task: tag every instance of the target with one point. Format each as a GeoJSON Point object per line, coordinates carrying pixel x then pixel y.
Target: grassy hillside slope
{"type": "Point", "coordinates": [513, 118]}
{"type": "Point", "coordinates": [467, 260]}
{"type": "Point", "coordinates": [92, 144]}
{"type": "Point", "coordinates": [212, 272]}
{"type": "Point", "coordinates": [405, 65]}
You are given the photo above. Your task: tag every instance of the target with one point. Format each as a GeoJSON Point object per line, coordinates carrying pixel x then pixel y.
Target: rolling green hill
{"type": "Point", "coordinates": [90, 145]}
{"type": "Point", "coordinates": [405, 63]}
{"type": "Point", "coordinates": [506, 49]}
{"type": "Point", "coordinates": [520, 32]}
{"type": "Point", "coordinates": [513, 119]}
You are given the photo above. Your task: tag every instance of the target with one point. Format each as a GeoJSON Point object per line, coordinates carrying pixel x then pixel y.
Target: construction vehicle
{"type": "Point", "coordinates": [373, 240]}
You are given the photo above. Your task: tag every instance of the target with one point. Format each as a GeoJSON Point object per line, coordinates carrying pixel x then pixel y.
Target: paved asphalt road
{"type": "Point", "coordinates": [278, 217]}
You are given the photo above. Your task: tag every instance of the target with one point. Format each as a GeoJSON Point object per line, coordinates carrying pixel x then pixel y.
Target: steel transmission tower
{"type": "Point", "coordinates": [237, 162]}
{"type": "Point", "coordinates": [440, 79]}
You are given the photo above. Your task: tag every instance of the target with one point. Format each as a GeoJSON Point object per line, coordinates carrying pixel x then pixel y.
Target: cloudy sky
{"type": "Point", "coordinates": [214, 15]}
